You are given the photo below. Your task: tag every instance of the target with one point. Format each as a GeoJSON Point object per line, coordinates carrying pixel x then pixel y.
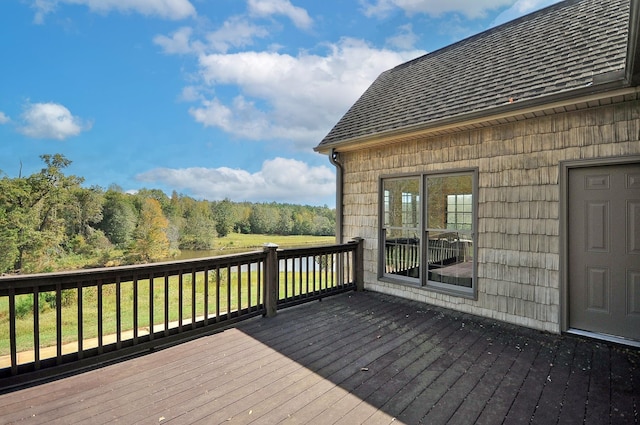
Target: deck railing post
{"type": "Point", "coordinates": [271, 273]}
{"type": "Point", "coordinates": [358, 263]}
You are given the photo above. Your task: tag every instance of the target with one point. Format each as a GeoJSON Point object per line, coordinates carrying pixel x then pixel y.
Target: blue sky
{"type": "Point", "coordinates": [212, 98]}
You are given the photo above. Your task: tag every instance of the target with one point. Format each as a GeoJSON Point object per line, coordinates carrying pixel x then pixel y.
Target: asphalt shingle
{"type": "Point", "coordinates": [557, 49]}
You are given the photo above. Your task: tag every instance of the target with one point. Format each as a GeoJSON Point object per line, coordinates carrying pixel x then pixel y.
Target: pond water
{"type": "Point", "coordinates": [191, 254]}
{"type": "Point", "coordinates": [188, 254]}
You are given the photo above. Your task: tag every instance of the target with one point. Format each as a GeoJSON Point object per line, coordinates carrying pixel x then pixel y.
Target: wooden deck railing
{"type": "Point", "coordinates": [56, 323]}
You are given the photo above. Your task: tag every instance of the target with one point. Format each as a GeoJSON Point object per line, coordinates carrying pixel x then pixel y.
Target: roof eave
{"type": "Point", "coordinates": [607, 87]}
{"type": "Point", "coordinates": [633, 44]}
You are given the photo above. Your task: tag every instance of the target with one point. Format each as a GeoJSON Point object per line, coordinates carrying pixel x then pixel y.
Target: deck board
{"type": "Point", "coordinates": [352, 358]}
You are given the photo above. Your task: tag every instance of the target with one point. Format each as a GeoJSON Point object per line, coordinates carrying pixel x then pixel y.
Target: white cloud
{"type": "Point", "coordinates": [50, 121]}
{"type": "Point", "coordinates": [471, 9]}
{"type": "Point", "coordinates": [266, 8]}
{"type": "Point", "coordinates": [280, 179]}
{"type": "Point", "coordinates": [405, 39]}
{"type": "Point", "coordinates": [520, 8]}
{"type": "Point", "coordinates": [166, 9]}
{"type": "Point", "coordinates": [191, 94]}
{"type": "Point", "coordinates": [4, 118]}
{"type": "Point", "coordinates": [178, 43]}
{"type": "Point", "coordinates": [291, 97]}
{"type": "Point", "coordinates": [235, 32]}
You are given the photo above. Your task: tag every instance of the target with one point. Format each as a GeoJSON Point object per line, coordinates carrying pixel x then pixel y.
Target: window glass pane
{"type": "Point", "coordinates": [449, 209]}
{"type": "Point", "coordinates": [402, 253]}
{"type": "Point", "coordinates": [401, 227]}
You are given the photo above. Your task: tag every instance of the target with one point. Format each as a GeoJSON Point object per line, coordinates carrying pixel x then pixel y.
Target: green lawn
{"type": "Point", "coordinates": [239, 240]}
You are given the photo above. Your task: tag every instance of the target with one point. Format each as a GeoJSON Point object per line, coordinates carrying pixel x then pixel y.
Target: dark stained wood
{"type": "Point", "coordinates": [353, 358]}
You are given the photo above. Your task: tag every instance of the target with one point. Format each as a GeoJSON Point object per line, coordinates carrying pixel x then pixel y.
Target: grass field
{"type": "Point", "coordinates": [239, 240]}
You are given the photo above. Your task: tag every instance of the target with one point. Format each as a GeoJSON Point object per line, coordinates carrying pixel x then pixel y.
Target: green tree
{"type": "Point", "coordinates": [151, 242]}
{"type": "Point", "coordinates": [322, 226]}
{"type": "Point", "coordinates": [119, 218]}
{"type": "Point", "coordinates": [198, 231]}
{"type": "Point", "coordinates": [264, 219]}
{"type": "Point", "coordinates": [33, 210]}
{"type": "Point", "coordinates": [243, 218]}
{"type": "Point", "coordinates": [83, 210]}
{"type": "Point", "coordinates": [224, 216]}
{"type": "Point", "coordinates": [284, 226]}
{"type": "Point", "coordinates": [303, 222]}
{"type": "Point", "coordinates": [8, 229]}
{"type": "Point", "coordinates": [143, 194]}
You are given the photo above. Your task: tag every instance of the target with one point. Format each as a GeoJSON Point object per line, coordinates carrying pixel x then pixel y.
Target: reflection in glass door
{"type": "Point", "coordinates": [401, 227]}
{"type": "Point", "coordinates": [449, 230]}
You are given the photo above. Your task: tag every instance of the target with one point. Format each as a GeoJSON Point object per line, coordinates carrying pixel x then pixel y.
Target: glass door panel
{"type": "Point", "coordinates": [449, 231]}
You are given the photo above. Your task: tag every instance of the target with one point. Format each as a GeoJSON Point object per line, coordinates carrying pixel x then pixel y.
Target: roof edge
{"type": "Point", "coordinates": [619, 87]}
{"type": "Point", "coordinates": [633, 44]}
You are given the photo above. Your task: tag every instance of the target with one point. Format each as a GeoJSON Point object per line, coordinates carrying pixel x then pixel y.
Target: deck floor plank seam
{"type": "Point", "coordinates": [453, 369]}
{"type": "Point", "coordinates": [378, 384]}
{"type": "Point", "coordinates": [303, 344]}
{"type": "Point", "coordinates": [352, 358]}
{"type": "Point", "coordinates": [374, 364]}
{"type": "Point", "coordinates": [331, 357]}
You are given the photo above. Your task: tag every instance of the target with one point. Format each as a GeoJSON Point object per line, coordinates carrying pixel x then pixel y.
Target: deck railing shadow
{"type": "Point", "coordinates": [79, 319]}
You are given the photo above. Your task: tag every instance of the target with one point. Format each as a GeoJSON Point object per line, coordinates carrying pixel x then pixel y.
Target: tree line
{"type": "Point", "coordinates": [48, 218]}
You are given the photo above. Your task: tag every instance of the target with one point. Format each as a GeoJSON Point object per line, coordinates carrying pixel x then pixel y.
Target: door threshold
{"type": "Point", "coordinates": [605, 337]}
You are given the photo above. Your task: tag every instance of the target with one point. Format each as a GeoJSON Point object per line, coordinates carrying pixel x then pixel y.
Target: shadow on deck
{"type": "Point", "coordinates": [352, 358]}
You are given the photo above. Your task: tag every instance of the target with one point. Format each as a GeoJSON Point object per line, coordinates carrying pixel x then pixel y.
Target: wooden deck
{"type": "Point", "coordinates": [353, 358]}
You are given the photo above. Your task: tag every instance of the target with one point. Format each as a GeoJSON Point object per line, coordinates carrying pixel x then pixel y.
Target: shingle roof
{"type": "Point", "coordinates": [557, 49]}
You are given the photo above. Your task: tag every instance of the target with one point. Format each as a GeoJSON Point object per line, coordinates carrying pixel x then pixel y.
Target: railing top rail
{"type": "Point", "coordinates": [156, 269]}
{"type": "Point", "coordinates": [316, 250]}
{"type": "Point", "coordinates": [129, 271]}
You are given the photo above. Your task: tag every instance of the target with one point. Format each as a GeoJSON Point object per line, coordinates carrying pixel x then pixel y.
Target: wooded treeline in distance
{"type": "Point", "coordinates": [48, 219]}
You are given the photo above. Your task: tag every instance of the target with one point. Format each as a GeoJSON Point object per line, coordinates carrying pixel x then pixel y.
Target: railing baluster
{"type": "Point", "coordinates": [332, 271]}
{"type": "Point", "coordinates": [206, 296]}
{"type": "Point", "coordinates": [166, 303]}
{"type": "Point", "coordinates": [180, 289]}
{"type": "Point", "coordinates": [80, 322]}
{"type": "Point", "coordinates": [193, 298]}
{"type": "Point", "coordinates": [259, 283]}
{"type": "Point", "coordinates": [239, 284]}
{"type": "Point", "coordinates": [349, 273]}
{"type": "Point", "coordinates": [118, 312]}
{"type": "Point", "coordinates": [36, 327]}
{"type": "Point", "coordinates": [217, 293]}
{"type": "Point", "coordinates": [300, 277]}
{"type": "Point", "coordinates": [100, 290]}
{"type": "Point", "coordinates": [135, 309]}
{"type": "Point", "coordinates": [314, 274]}
{"type": "Point", "coordinates": [307, 269]}
{"type": "Point", "coordinates": [12, 331]}
{"type": "Point", "coordinates": [151, 319]}
{"type": "Point", "coordinates": [286, 278]}
{"type": "Point", "coordinates": [229, 291]}
{"type": "Point", "coordinates": [58, 323]}
{"type": "Point", "coordinates": [326, 272]}
{"type": "Point", "coordinates": [249, 303]}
